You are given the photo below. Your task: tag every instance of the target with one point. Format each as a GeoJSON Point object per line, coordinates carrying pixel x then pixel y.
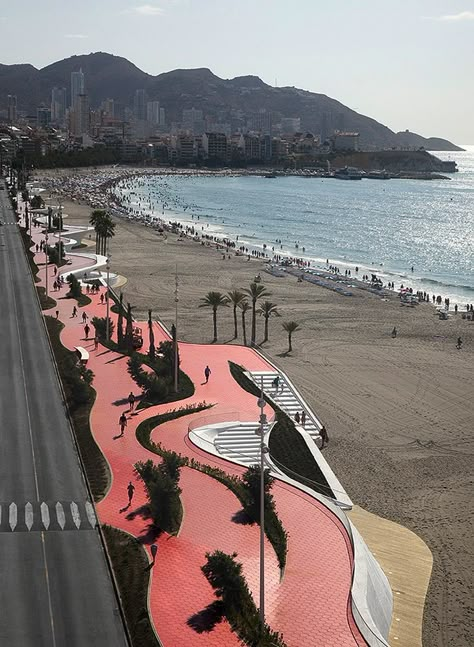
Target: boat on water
{"type": "Point", "coordinates": [348, 173]}
{"type": "Point", "coordinates": [270, 176]}
{"type": "Point", "coordinates": [378, 175]}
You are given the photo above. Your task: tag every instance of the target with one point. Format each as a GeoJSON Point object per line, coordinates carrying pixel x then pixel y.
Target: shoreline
{"type": "Point", "coordinates": [117, 201]}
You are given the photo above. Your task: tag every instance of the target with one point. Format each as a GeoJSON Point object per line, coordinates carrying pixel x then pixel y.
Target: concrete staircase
{"type": "Point", "coordinates": [239, 442]}
{"type": "Point", "coordinates": [288, 399]}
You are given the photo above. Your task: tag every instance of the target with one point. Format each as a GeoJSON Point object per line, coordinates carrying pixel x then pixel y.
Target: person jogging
{"type": "Point", "coordinates": [122, 423]}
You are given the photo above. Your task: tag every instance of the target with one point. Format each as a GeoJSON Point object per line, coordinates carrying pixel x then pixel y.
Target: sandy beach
{"type": "Point", "coordinates": [399, 411]}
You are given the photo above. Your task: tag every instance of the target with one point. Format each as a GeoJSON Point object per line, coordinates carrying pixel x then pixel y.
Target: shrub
{"type": "Point", "coordinates": [224, 574]}
{"type": "Point", "coordinates": [161, 482]}
{"type": "Point", "coordinates": [75, 290]}
{"type": "Point", "coordinates": [100, 325]}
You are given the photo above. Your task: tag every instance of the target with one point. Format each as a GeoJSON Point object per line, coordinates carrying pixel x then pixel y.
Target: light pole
{"type": "Point", "coordinates": [60, 223]}
{"type": "Point", "coordinates": [107, 324]}
{"type": "Point", "coordinates": [46, 252]}
{"type": "Point", "coordinates": [263, 421]}
{"type": "Point", "coordinates": [176, 301]}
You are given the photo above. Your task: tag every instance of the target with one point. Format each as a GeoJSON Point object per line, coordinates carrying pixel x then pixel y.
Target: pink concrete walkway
{"type": "Point", "coordinates": [311, 604]}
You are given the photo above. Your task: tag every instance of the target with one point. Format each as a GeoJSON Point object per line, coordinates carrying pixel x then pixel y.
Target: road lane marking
{"type": "Point", "coordinates": [45, 515]}
{"type": "Point", "coordinates": [13, 516]}
{"type": "Point", "coordinates": [91, 514]}
{"type": "Point", "coordinates": [61, 517]}
{"type": "Point", "coordinates": [76, 517]}
{"type": "Point", "coordinates": [28, 515]}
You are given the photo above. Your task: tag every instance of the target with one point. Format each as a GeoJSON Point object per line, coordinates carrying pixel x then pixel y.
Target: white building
{"type": "Point", "coordinates": [77, 85]}
{"type": "Point", "coordinates": [153, 113]}
{"type": "Point", "coordinates": [58, 105]}
{"type": "Point", "coordinates": [346, 141]}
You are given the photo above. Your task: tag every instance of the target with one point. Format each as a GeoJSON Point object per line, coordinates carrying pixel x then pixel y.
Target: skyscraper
{"type": "Point", "coordinates": [153, 113]}
{"type": "Point", "coordinates": [77, 85]}
{"type": "Point", "coordinates": [80, 123]}
{"type": "Point", "coordinates": [139, 105]}
{"type": "Point", "coordinates": [12, 113]}
{"type": "Point", "coordinates": [58, 105]}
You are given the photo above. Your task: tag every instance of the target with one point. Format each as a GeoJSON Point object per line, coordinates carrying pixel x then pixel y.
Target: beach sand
{"type": "Point", "coordinates": [399, 412]}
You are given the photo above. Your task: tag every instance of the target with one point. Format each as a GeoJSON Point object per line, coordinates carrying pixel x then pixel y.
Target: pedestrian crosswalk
{"type": "Point", "coordinates": [32, 516]}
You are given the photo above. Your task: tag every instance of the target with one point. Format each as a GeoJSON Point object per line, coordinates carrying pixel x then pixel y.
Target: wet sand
{"type": "Point", "coordinates": [399, 412]}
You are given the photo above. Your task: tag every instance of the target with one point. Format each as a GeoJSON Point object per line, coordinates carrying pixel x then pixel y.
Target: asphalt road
{"type": "Point", "coordinates": [55, 588]}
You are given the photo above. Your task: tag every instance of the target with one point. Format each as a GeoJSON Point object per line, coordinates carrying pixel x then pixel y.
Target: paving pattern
{"type": "Point", "coordinates": [310, 604]}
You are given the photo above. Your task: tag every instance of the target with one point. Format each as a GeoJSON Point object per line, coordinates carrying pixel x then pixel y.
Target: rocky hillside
{"type": "Point", "coordinates": [225, 99]}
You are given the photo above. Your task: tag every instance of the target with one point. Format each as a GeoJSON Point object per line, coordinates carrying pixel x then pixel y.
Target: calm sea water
{"type": "Point", "coordinates": [386, 227]}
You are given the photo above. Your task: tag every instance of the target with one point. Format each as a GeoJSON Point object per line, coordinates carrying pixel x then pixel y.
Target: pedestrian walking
{"type": "Point", "coordinates": [303, 418]}
{"type": "Point", "coordinates": [122, 423]}
{"type": "Point", "coordinates": [130, 491]}
{"type": "Point", "coordinates": [324, 436]}
{"type": "Point", "coordinates": [74, 311]}
{"type": "Point", "coordinates": [276, 382]}
{"type": "Point", "coordinates": [207, 372]}
{"type": "Point", "coordinates": [87, 330]}
{"type": "Point", "coordinates": [96, 342]}
{"type": "Point", "coordinates": [57, 314]}
{"type": "Point", "coordinates": [459, 343]}
{"type": "Point", "coordinates": [84, 317]}
{"type": "Point", "coordinates": [131, 401]}
{"type": "Point", "coordinates": [102, 297]}
{"type": "Point", "coordinates": [297, 417]}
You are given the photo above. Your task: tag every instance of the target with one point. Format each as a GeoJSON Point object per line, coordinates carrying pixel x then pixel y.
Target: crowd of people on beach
{"type": "Point", "coordinates": [129, 194]}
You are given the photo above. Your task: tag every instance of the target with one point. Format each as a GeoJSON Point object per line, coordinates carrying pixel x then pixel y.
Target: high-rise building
{"type": "Point", "coordinates": [12, 111]}
{"type": "Point", "coordinates": [80, 117]}
{"type": "Point", "coordinates": [190, 117]}
{"type": "Point", "coordinates": [153, 113]}
{"type": "Point", "coordinates": [162, 117]}
{"type": "Point", "coordinates": [108, 108]}
{"type": "Point", "coordinates": [43, 117]}
{"type": "Point", "coordinates": [58, 105]}
{"type": "Point", "coordinates": [140, 105]}
{"type": "Point", "coordinates": [77, 85]}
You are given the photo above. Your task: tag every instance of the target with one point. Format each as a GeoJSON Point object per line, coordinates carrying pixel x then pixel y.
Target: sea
{"type": "Point", "coordinates": [417, 233]}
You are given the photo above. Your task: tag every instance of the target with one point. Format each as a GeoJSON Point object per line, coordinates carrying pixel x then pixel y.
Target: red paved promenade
{"type": "Point", "coordinates": [310, 606]}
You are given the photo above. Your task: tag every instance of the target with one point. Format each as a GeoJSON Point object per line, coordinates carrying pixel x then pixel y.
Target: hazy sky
{"type": "Point", "coordinates": [408, 64]}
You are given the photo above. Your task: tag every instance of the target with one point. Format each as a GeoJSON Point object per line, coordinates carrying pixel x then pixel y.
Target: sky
{"type": "Point", "coordinates": [408, 64]}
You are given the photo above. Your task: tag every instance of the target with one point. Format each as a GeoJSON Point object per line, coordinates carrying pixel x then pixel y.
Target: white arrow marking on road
{"type": "Point", "coordinates": [29, 515]}
{"type": "Point", "coordinates": [60, 515]}
{"type": "Point", "coordinates": [13, 516]}
{"type": "Point", "coordinates": [45, 515]}
{"type": "Point", "coordinates": [91, 514]}
{"type": "Point", "coordinates": [76, 517]}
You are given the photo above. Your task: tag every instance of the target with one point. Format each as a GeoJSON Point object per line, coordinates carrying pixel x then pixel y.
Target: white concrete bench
{"type": "Point", "coordinates": [83, 354]}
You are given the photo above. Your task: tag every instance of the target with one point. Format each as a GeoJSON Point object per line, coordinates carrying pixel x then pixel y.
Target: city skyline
{"type": "Point", "coordinates": [405, 68]}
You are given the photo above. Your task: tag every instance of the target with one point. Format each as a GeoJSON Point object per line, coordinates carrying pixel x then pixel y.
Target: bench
{"type": "Point", "coordinates": [83, 354]}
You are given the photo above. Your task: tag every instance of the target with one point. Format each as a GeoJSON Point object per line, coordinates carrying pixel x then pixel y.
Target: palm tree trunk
{"type": "Point", "coordinates": [290, 348]}
{"type": "Point", "coordinates": [254, 315]}
{"type": "Point", "coordinates": [244, 330]}
{"type": "Point", "coordinates": [235, 322]}
{"type": "Point", "coordinates": [266, 330]}
{"type": "Point", "coordinates": [214, 319]}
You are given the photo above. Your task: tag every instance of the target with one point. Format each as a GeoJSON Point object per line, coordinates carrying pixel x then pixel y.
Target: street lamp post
{"type": "Point", "coordinates": [263, 421]}
{"type": "Point", "coordinates": [176, 301]}
{"type": "Point", "coordinates": [46, 252]}
{"type": "Point", "coordinates": [107, 324]}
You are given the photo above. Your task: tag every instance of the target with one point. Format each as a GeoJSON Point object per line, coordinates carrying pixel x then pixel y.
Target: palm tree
{"type": "Point", "coordinates": [151, 350]}
{"type": "Point", "coordinates": [290, 327]}
{"type": "Point", "coordinates": [236, 297]}
{"type": "Point", "coordinates": [128, 339]}
{"type": "Point", "coordinates": [245, 307]}
{"type": "Point", "coordinates": [104, 229]}
{"type": "Point", "coordinates": [255, 292]}
{"type": "Point", "coordinates": [267, 309]}
{"type": "Point", "coordinates": [214, 300]}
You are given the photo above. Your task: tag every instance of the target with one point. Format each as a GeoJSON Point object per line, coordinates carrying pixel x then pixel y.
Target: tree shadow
{"type": "Point", "coordinates": [116, 359]}
{"type": "Point", "coordinates": [241, 517]}
{"type": "Point", "coordinates": [151, 532]}
{"type": "Point", "coordinates": [206, 620]}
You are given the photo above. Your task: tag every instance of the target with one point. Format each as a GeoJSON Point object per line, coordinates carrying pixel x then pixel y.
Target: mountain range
{"type": "Point", "coordinates": [108, 76]}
